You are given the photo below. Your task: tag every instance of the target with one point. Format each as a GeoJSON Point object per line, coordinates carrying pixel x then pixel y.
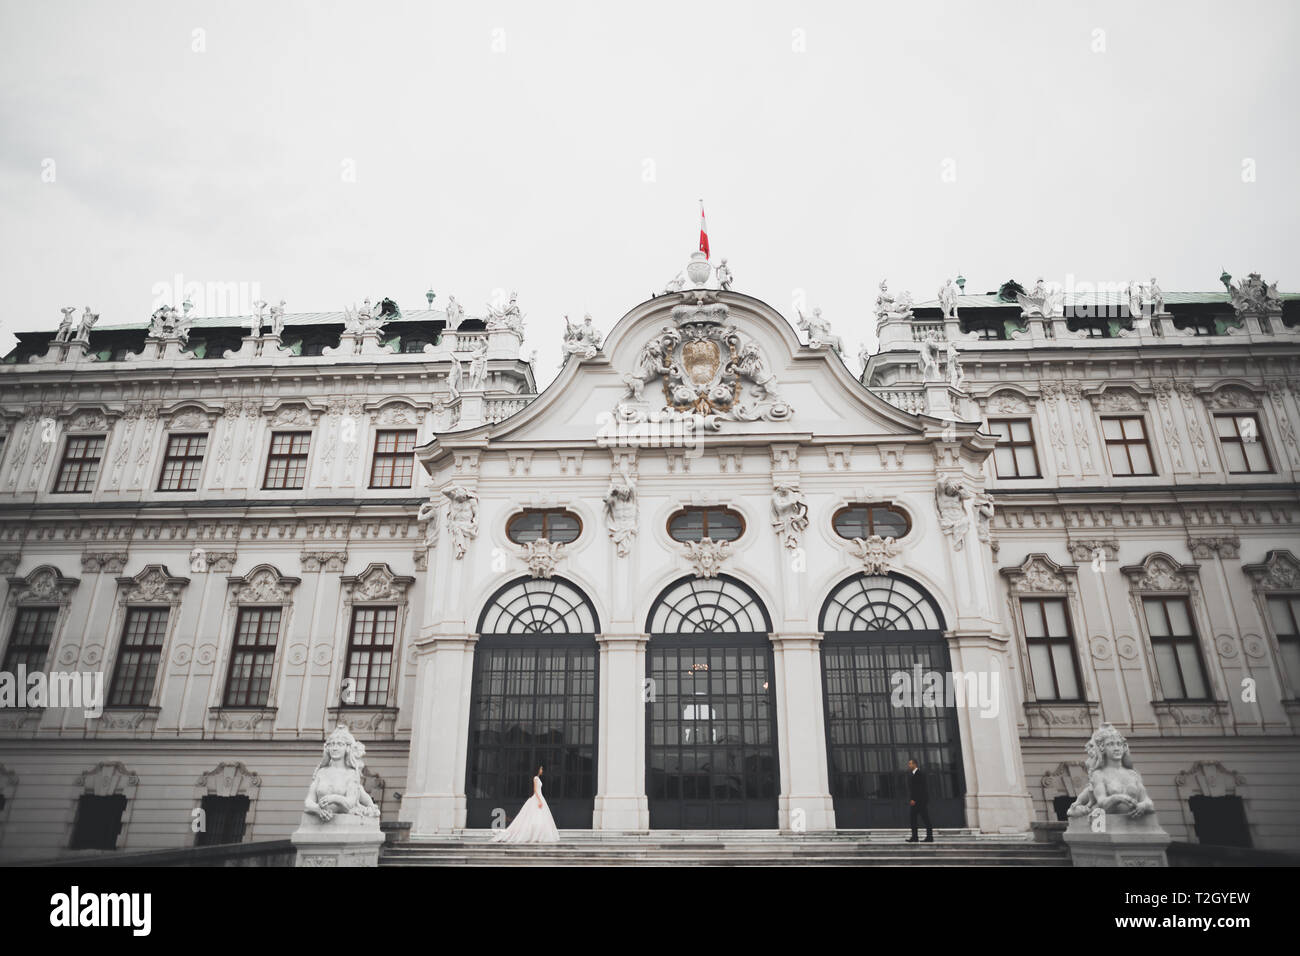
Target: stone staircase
{"type": "Point", "coordinates": [958, 847]}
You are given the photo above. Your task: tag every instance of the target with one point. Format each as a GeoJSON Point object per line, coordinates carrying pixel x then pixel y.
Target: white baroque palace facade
{"type": "Point", "coordinates": [709, 578]}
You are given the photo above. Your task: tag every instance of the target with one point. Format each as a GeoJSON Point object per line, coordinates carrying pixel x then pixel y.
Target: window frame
{"type": "Point", "coordinates": [1292, 601]}
{"type": "Point", "coordinates": [273, 456]}
{"type": "Point", "coordinates": [1238, 440]}
{"type": "Point", "coordinates": [704, 523]}
{"type": "Point", "coordinates": [1174, 640]}
{"type": "Point", "coordinates": [372, 650]}
{"type": "Point", "coordinates": [544, 512]}
{"type": "Point", "coordinates": [1125, 443]}
{"type": "Point", "coordinates": [1012, 444]}
{"type": "Point", "coordinates": [393, 457]}
{"type": "Point", "coordinates": [168, 457]}
{"type": "Point", "coordinates": [6, 659]}
{"type": "Point", "coordinates": [236, 648]}
{"type": "Point", "coordinates": [138, 650]}
{"type": "Point", "coordinates": [1050, 641]}
{"type": "Point", "coordinates": [871, 521]}
{"type": "Point", "coordinates": [64, 461]}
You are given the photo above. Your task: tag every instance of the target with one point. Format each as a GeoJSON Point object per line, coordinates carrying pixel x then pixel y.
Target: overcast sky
{"type": "Point", "coordinates": [334, 151]}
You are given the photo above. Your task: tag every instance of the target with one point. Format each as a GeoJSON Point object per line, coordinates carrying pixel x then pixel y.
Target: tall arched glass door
{"type": "Point", "coordinates": [534, 702]}
{"type": "Point", "coordinates": [711, 749]}
{"type": "Point", "coordinates": [881, 630]}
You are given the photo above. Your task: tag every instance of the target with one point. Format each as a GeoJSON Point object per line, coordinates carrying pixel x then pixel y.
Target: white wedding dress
{"type": "Point", "coordinates": [533, 824]}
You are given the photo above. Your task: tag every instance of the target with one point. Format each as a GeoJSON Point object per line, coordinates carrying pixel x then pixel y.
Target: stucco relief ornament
{"type": "Point", "coordinates": [462, 517]}
{"type": "Point", "coordinates": [789, 514]}
{"type": "Point", "coordinates": [580, 340]}
{"type": "Point", "coordinates": [621, 512]}
{"type": "Point", "coordinates": [704, 365]}
{"type": "Point", "coordinates": [429, 513]}
{"type": "Point", "coordinates": [983, 514]}
{"type": "Point", "coordinates": [706, 556]}
{"type": "Point", "coordinates": [877, 554]}
{"type": "Point", "coordinates": [509, 319]}
{"type": "Point", "coordinates": [950, 498]}
{"type": "Point", "coordinates": [1041, 301]}
{"type": "Point", "coordinates": [887, 307]}
{"type": "Point", "coordinates": [542, 556]}
{"type": "Point", "coordinates": [819, 332]}
{"type": "Point", "coordinates": [1113, 785]}
{"type": "Point", "coordinates": [478, 366]}
{"type": "Point", "coordinates": [1253, 295]}
{"type": "Point", "coordinates": [336, 786]}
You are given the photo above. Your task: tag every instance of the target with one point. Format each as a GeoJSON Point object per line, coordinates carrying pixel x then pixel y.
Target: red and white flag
{"type": "Point", "coordinates": [704, 232]}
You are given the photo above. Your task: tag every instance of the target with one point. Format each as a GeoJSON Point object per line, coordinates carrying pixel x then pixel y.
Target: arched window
{"type": "Point", "coordinates": [862, 521]}
{"type": "Point", "coordinates": [538, 606]}
{"type": "Point", "coordinates": [720, 605]}
{"type": "Point", "coordinates": [554, 524]}
{"type": "Point", "coordinates": [695, 524]}
{"type": "Point", "coordinates": [879, 603]}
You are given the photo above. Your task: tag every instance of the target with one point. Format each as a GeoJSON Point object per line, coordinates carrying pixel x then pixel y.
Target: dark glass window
{"type": "Point", "coordinates": [29, 639]}
{"type": "Point", "coordinates": [1220, 821]}
{"type": "Point", "coordinates": [253, 657]}
{"type": "Point", "coordinates": [716, 524]}
{"type": "Point", "coordinates": [286, 465]}
{"type": "Point", "coordinates": [1285, 614]}
{"type": "Point", "coordinates": [81, 457]}
{"type": "Point", "coordinates": [1050, 643]}
{"type": "Point", "coordinates": [553, 524]}
{"type": "Point", "coordinates": [182, 462]}
{"type": "Point", "coordinates": [1243, 446]}
{"type": "Point", "coordinates": [1127, 446]}
{"type": "Point", "coordinates": [862, 521]}
{"type": "Point", "coordinates": [370, 656]}
{"type": "Point", "coordinates": [394, 462]}
{"type": "Point", "coordinates": [137, 661]}
{"type": "Point", "coordinates": [98, 822]}
{"type": "Point", "coordinates": [1015, 456]}
{"type": "Point", "coordinates": [1176, 647]}
{"type": "Point", "coordinates": [223, 820]}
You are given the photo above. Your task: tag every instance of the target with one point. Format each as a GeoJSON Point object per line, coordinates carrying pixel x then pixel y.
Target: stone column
{"type": "Point", "coordinates": [434, 801]}
{"type": "Point", "coordinates": [996, 798]}
{"type": "Point", "coordinates": [805, 802]}
{"type": "Point", "coordinates": [621, 802]}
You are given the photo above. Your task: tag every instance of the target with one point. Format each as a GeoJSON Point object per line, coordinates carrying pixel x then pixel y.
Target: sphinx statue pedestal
{"type": "Point", "coordinates": [1123, 842]}
{"type": "Point", "coordinates": [346, 840]}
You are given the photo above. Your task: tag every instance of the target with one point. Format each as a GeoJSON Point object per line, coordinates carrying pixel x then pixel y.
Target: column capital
{"type": "Point", "coordinates": [974, 637]}
{"type": "Point", "coordinates": [623, 641]}
{"type": "Point", "coordinates": [807, 641]}
{"type": "Point", "coordinates": [431, 642]}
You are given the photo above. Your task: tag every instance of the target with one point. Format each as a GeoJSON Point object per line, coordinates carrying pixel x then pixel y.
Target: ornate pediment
{"type": "Point", "coordinates": [1159, 572]}
{"type": "Point", "coordinates": [1118, 400]}
{"type": "Point", "coordinates": [1234, 397]}
{"type": "Point", "coordinates": [1039, 574]}
{"type": "Point", "coordinates": [263, 585]}
{"type": "Point", "coordinates": [376, 583]}
{"type": "Point", "coordinates": [229, 779]}
{"type": "Point", "coordinates": [153, 585]}
{"type": "Point", "coordinates": [1279, 571]}
{"type": "Point", "coordinates": [43, 585]}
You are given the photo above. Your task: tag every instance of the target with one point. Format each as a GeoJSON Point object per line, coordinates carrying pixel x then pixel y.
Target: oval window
{"type": "Point", "coordinates": [862, 521]}
{"type": "Point", "coordinates": [717, 524]}
{"type": "Point", "coordinates": [553, 524]}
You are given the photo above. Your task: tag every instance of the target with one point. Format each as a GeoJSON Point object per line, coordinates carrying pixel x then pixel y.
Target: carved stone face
{"type": "Point", "coordinates": [337, 748]}
{"type": "Point", "coordinates": [1115, 750]}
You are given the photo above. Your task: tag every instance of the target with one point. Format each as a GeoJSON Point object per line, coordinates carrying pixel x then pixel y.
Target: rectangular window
{"type": "Point", "coordinates": [80, 465]}
{"type": "Point", "coordinates": [137, 660]}
{"type": "Point", "coordinates": [370, 656]}
{"type": "Point", "coordinates": [1285, 613]}
{"type": "Point", "coordinates": [98, 822]}
{"type": "Point", "coordinates": [394, 462]}
{"type": "Point", "coordinates": [1177, 648]}
{"type": "Point", "coordinates": [29, 639]}
{"type": "Point", "coordinates": [286, 465]}
{"type": "Point", "coordinates": [253, 657]}
{"type": "Point", "coordinates": [182, 462]}
{"type": "Point", "coordinates": [223, 819]}
{"type": "Point", "coordinates": [1050, 643]}
{"type": "Point", "coordinates": [1220, 821]}
{"type": "Point", "coordinates": [1242, 444]}
{"type": "Point", "coordinates": [1127, 446]}
{"type": "Point", "coordinates": [1015, 456]}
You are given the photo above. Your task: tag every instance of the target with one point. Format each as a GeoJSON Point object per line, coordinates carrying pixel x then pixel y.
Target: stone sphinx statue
{"type": "Point", "coordinates": [1113, 785]}
{"type": "Point", "coordinates": [336, 785]}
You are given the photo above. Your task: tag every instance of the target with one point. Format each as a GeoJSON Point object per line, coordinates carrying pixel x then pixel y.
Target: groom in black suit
{"type": "Point", "coordinates": [918, 800]}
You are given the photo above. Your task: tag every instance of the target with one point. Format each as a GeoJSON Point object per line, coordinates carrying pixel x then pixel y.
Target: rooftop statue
{"type": "Point", "coordinates": [65, 327]}
{"type": "Point", "coordinates": [1113, 785]}
{"type": "Point", "coordinates": [819, 332]}
{"type": "Point", "coordinates": [277, 319]}
{"type": "Point", "coordinates": [580, 340]}
{"type": "Point", "coordinates": [1252, 295]}
{"type": "Point", "coordinates": [724, 276]}
{"type": "Point", "coordinates": [1041, 301]}
{"type": "Point", "coordinates": [88, 320]}
{"type": "Point", "coordinates": [454, 314]}
{"type": "Point", "coordinates": [948, 300]}
{"type": "Point", "coordinates": [889, 308]}
{"type": "Point", "coordinates": [929, 357]}
{"type": "Point", "coordinates": [508, 318]}
{"type": "Point", "coordinates": [478, 366]}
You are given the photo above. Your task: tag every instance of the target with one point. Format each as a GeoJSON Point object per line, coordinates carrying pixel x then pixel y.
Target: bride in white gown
{"type": "Point", "coordinates": [533, 823]}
